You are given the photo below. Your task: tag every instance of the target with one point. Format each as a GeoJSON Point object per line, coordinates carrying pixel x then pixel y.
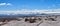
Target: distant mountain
{"type": "Point", "coordinates": [37, 14]}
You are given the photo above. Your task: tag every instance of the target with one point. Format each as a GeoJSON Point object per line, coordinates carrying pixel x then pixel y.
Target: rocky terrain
{"type": "Point", "coordinates": [33, 21]}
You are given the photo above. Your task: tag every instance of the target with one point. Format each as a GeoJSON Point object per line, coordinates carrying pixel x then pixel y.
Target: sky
{"type": "Point", "coordinates": [29, 4]}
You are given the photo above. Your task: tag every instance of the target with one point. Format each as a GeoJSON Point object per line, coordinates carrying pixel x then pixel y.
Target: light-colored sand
{"type": "Point", "coordinates": [20, 23]}
{"type": "Point", "coordinates": [44, 23]}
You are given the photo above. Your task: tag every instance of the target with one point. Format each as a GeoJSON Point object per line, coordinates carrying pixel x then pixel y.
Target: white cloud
{"type": "Point", "coordinates": [29, 11]}
{"type": "Point", "coordinates": [2, 4]}
{"type": "Point", "coordinates": [8, 4]}
{"type": "Point", "coordinates": [5, 4]}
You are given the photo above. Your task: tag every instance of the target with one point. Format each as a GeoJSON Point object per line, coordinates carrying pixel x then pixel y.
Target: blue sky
{"type": "Point", "coordinates": [29, 4]}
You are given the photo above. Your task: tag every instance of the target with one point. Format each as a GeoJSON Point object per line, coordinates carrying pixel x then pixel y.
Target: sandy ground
{"type": "Point", "coordinates": [20, 23]}
{"type": "Point", "coordinates": [38, 23]}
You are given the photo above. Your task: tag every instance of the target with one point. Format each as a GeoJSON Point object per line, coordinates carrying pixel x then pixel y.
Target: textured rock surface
{"type": "Point", "coordinates": [42, 23]}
